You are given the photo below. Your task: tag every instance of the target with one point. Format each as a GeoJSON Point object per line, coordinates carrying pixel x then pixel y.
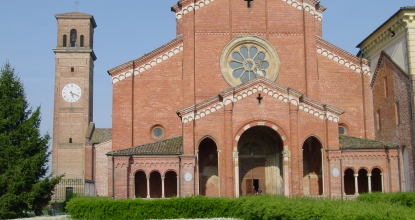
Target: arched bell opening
{"type": "Point", "coordinates": [376, 180]}
{"type": "Point", "coordinates": [260, 161]}
{"type": "Point", "coordinates": [362, 181]}
{"type": "Point", "coordinates": [170, 184]}
{"type": "Point", "coordinates": [349, 182]}
{"type": "Point", "coordinates": [140, 184]}
{"type": "Point", "coordinates": [208, 168]}
{"type": "Point", "coordinates": [155, 185]}
{"type": "Point", "coordinates": [312, 167]}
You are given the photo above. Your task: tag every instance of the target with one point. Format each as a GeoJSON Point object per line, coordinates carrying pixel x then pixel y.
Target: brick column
{"type": "Point", "coordinates": [356, 187]}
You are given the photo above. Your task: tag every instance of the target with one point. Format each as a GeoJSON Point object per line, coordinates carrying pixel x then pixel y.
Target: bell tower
{"type": "Point", "coordinates": [73, 100]}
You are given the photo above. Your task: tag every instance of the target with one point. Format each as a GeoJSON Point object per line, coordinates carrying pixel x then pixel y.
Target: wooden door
{"type": "Point", "coordinates": [251, 168]}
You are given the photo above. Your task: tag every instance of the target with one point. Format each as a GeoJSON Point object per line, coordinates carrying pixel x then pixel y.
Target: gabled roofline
{"type": "Point", "coordinates": [376, 72]}
{"type": "Point", "coordinates": [265, 86]}
{"type": "Point", "coordinates": [410, 8]}
{"type": "Point", "coordinates": [147, 60]}
{"type": "Point", "coordinates": [342, 57]}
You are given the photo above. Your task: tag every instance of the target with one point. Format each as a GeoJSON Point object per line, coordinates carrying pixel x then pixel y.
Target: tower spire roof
{"type": "Point", "coordinates": [77, 14]}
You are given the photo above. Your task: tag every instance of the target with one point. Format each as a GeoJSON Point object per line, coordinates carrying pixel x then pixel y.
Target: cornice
{"type": "Point", "coordinates": [381, 39]}
{"type": "Point", "coordinates": [147, 61]}
{"type": "Point", "coordinates": [311, 6]}
{"type": "Point", "coordinates": [342, 57]}
{"type": "Point", "coordinates": [75, 50]}
{"type": "Point", "coordinates": [265, 86]}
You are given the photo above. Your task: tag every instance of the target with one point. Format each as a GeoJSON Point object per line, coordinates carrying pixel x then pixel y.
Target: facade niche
{"type": "Point", "coordinates": [208, 168]}
{"type": "Point", "coordinates": [312, 176]}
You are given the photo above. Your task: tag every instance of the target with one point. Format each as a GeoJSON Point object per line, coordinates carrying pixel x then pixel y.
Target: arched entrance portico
{"type": "Point", "coordinates": [260, 161]}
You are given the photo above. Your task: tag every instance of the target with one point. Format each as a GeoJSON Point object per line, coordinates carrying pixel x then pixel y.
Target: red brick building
{"type": "Point", "coordinates": [248, 97]}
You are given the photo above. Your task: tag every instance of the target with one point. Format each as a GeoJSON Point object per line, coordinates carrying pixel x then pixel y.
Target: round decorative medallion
{"type": "Point", "coordinates": [247, 56]}
{"type": "Point", "coordinates": [335, 172]}
{"type": "Point", "coordinates": [188, 177]}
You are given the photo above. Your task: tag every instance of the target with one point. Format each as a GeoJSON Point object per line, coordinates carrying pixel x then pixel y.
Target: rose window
{"type": "Point", "coordinates": [246, 63]}
{"type": "Point", "coordinates": [247, 56]}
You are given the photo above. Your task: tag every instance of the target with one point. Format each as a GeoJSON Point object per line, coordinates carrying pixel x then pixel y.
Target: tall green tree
{"type": "Point", "coordinates": [23, 151]}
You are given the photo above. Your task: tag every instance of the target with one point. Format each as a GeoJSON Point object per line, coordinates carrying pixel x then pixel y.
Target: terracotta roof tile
{"type": "Point", "coordinates": [349, 142]}
{"type": "Point", "coordinates": [101, 135]}
{"type": "Point", "coordinates": [172, 146]}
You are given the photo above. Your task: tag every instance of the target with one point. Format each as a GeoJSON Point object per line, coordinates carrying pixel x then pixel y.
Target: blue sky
{"type": "Point", "coordinates": [129, 29]}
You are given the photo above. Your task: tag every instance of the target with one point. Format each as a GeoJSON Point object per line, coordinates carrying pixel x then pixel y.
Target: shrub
{"type": "Point", "coordinates": [250, 207]}
{"type": "Point", "coordinates": [400, 198]}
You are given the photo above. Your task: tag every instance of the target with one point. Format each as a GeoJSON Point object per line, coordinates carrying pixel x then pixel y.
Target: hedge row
{"type": "Point", "coordinates": [399, 198]}
{"type": "Point", "coordinates": [251, 207]}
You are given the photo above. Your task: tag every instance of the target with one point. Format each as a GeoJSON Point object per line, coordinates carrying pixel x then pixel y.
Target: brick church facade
{"type": "Point", "coordinates": [248, 97]}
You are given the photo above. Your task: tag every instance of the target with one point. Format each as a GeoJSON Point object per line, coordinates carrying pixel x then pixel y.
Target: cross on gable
{"type": "Point", "coordinates": [249, 3]}
{"type": "Point", "coordinates": [259, 98]}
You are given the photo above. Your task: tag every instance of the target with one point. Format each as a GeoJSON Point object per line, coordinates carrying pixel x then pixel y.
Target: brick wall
{"type": "Point", "coordinates": [193, 75]}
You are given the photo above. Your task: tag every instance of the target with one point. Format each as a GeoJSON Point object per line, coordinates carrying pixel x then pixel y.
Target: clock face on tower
{"type": "Point", "coordinates": [71, 92]}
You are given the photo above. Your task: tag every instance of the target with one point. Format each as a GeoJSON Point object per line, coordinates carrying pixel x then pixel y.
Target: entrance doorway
{"type": "Point", "coordinates": [260, 161]}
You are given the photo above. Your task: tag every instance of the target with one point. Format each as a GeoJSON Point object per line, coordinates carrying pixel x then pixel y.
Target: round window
{"type": "Point", "coordinates": [343, 129]}
{"type": "Point", "coordinates": [246, 57]}
{"type": "Point", "coordinates": [157, 132]}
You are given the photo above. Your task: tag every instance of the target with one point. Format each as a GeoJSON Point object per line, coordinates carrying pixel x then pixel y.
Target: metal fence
{"type": "Point", "coordinates": [67, 188]}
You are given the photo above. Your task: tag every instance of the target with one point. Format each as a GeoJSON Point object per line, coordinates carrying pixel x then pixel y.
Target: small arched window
{"type": "Point", "coordinates": [64, 41]}
{"type": "Point", "coordinates": [73, 38]}
{"type": "Point", "coordinates": [82, 41]}
{"type": "Point", "coordinates": [70, 140]}
{"type": "Point", "coordinates": [72, 69]}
